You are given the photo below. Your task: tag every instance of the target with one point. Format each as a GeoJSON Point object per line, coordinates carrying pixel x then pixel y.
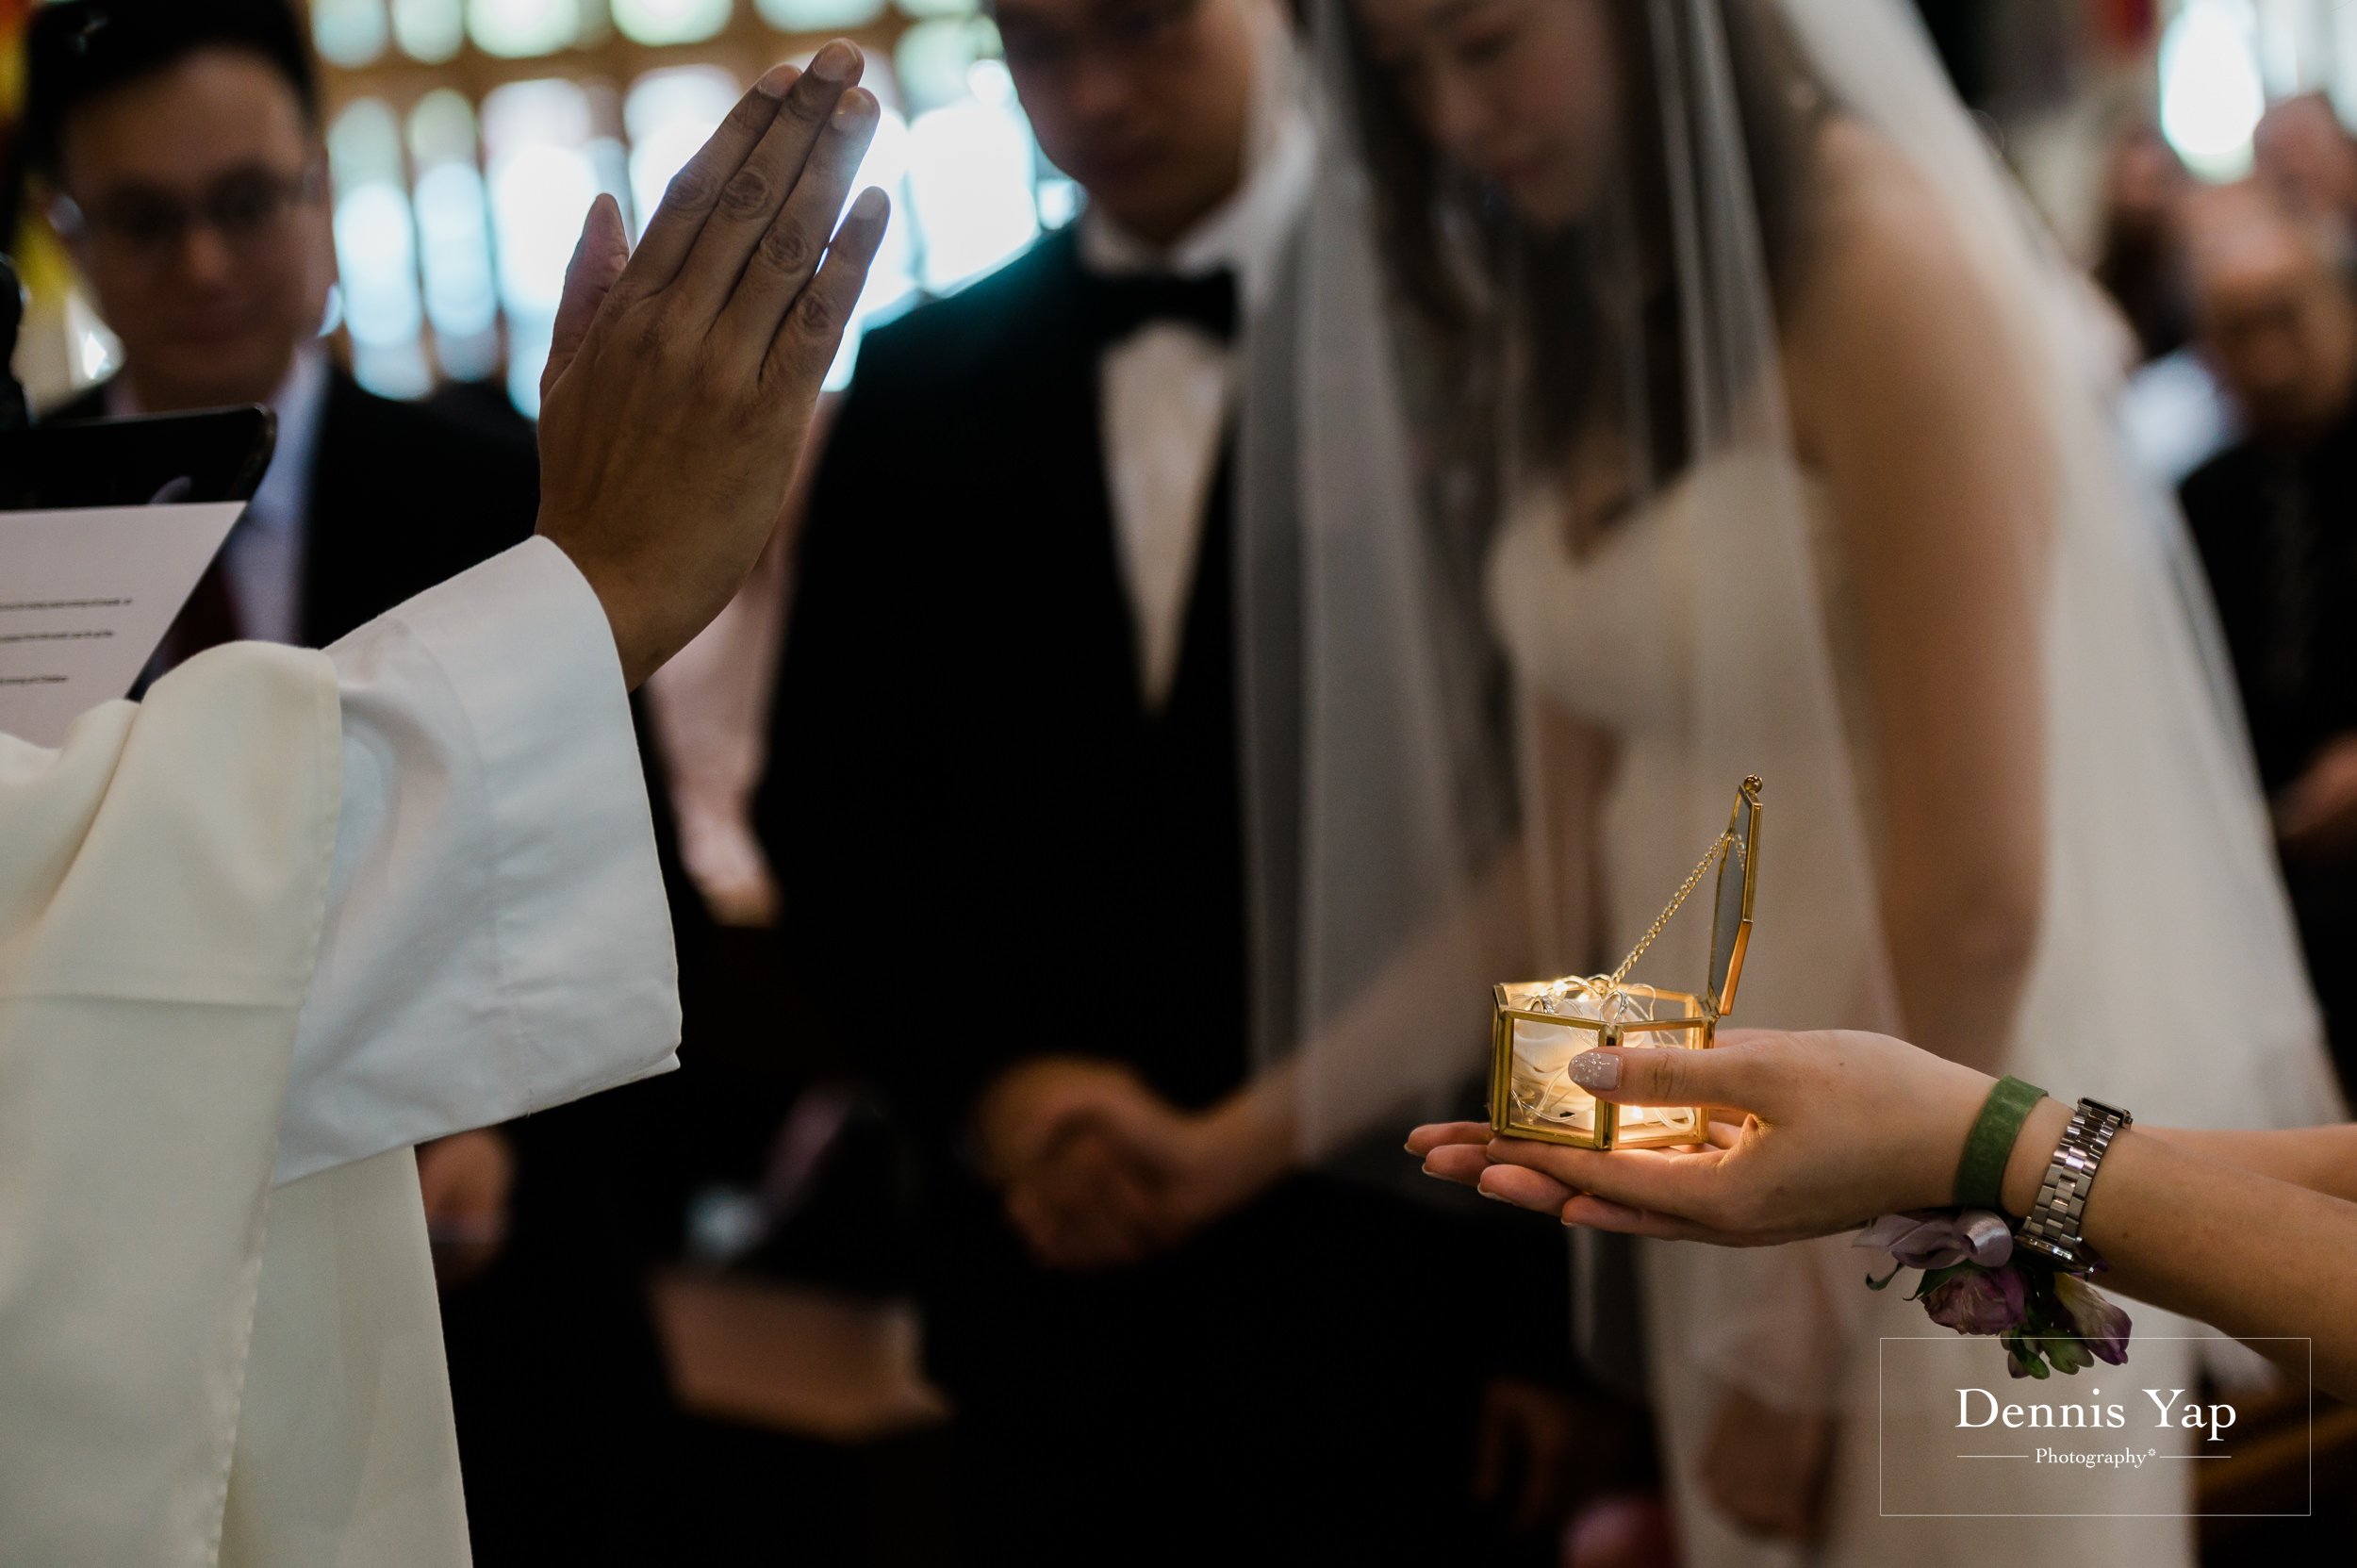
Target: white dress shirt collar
{"type": "Point", "coordinates": [265, 555]}
{"type": "Point", "coordinates": [300, 403]}
{"type": "Point", "coordinates": [1165, 392]}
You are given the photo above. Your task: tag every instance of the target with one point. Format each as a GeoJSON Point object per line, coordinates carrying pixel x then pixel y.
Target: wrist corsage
{"type": "Point", "coordinates": [1976, 1281]}
{"type": "Point", "coordinates": [1979, 1278]}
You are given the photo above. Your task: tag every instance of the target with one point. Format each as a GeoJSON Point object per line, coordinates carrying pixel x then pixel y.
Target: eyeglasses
{"type": "Point", "coordinates": [246, 209]}
{"type": "Point", "coordinates": [1124, 33]}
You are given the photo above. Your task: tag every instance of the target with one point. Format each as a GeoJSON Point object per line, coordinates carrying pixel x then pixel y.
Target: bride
{"type": "Point", "coordinates": [1722, 374]}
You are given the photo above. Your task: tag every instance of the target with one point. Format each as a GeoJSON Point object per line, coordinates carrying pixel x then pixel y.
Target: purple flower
{"type": "Point", "coordinates": [1940, 1238]}
{"type": "Point", "coordinates": [2102, 1327]}
{"type": "Point", "coordinates": [1980, 1301]}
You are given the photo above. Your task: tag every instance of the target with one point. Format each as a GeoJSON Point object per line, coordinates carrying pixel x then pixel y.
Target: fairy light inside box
{"type": "Point", "coordinates": [1539, 1027]}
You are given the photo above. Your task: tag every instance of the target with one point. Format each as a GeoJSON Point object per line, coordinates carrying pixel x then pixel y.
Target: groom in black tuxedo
{"type": "Point", "coordinates": [1006, 812]}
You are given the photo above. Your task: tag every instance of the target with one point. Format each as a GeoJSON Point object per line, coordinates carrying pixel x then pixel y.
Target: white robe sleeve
{"type": "Point", "coordinates": [497, 939]}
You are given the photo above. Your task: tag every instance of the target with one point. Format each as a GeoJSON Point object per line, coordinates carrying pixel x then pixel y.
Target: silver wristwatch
{"type": "Point", "coordinates": [2054, 1223]}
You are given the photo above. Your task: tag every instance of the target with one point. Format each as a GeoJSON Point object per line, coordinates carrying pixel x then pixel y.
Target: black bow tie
{"type": "Point", "coordinates": [1117, 305]}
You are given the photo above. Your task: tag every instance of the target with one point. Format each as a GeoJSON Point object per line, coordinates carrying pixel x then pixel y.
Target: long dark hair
{"type": "Point", "coordinates": [1466, 267]}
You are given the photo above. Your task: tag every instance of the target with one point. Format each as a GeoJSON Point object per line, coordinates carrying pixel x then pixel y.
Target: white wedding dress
{"type": "Point", "coordinates": [1794, 1325]}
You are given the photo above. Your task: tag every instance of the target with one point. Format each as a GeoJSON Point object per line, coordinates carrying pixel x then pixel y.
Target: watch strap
{"type": "Point", "coordinates": [2055, 1224]}
{"type": "Point", "coordinates": [1980, 1174]}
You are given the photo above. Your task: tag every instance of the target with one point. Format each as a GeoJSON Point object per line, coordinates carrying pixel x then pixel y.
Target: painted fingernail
{"type": "Point", "coordinates": [1596, 1069]}
{"type": "Point", "coordinates": [776, 82]}
{"type": "Point", "coordinates": [837, 63]}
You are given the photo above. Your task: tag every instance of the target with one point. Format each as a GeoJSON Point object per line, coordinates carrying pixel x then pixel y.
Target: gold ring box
{"type": "Point", "coordinates": [1536, 1028]}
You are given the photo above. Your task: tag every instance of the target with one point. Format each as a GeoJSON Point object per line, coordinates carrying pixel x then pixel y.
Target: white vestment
{"type": "Point", "coordinates": [258, 935]}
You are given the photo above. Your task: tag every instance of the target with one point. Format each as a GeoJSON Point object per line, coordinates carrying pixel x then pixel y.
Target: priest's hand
{"type": "Point", "coordinates": [682, 379]}
{"type": "Point", "coordinates": [466, 1181]}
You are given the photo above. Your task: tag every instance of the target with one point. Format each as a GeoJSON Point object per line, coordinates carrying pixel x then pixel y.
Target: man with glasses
{"type": "Point", "coordinates": [176, 147]}
{"type": "Point", "coordinates": [1017, 881]}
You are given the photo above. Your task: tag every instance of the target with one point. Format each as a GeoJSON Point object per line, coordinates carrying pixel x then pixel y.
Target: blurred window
{"type": "Point", "coordinates": [460, 190]}
{"type": "Point", "coordinates": [671, 21]}
{"type": "Point", "coordinates": [542, 176]}
{"type": "Point", "coordinates": [376, 244]}
{"type": "Point", "coordinates": [429, 30]}
{"type": "Point", "coordinates": [934, 57]}
{"type": "Point", "coordinates": [349, 32]}
{"type": "Point", "coordinates": [972, 170]}
{"type": "Point", "coordinates": [454, 237]}
{"type": "Point", "coordinates": [818, 16]}
{"type": "Point", "coordinates": [517, 30]}
{"type": "Point", "coordinates": [2210, 93]}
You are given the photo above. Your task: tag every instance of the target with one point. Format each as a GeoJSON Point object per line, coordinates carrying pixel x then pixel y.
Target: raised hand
{"type": "Point", "coordinates": [682, 380]}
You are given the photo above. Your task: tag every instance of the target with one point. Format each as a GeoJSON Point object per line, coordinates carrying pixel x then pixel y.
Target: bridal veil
{"type": "Point", "coordinates": [1393, 760]}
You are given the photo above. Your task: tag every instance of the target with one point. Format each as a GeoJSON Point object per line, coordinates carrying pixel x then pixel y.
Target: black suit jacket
{"type": "Point", "coordinates": [2296, 667]}
{"type": "Point", "coordinates": [2230, 504]}
{"type": "Point", "coordinates": [983, 837]}
{"type": "Point", "coordinates": [403, 495]}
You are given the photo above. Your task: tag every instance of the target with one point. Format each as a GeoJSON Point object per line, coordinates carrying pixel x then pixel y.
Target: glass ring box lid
{"type": "Point", "coordinates": [1538, 1028]}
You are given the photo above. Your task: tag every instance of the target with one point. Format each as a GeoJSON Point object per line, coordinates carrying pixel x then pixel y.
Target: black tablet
{"type": "Point", "coordinates": [217, 456]}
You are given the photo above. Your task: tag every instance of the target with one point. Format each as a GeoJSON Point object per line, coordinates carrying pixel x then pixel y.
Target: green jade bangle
{"type": "Point", "coordinates": [1980, 1174]}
